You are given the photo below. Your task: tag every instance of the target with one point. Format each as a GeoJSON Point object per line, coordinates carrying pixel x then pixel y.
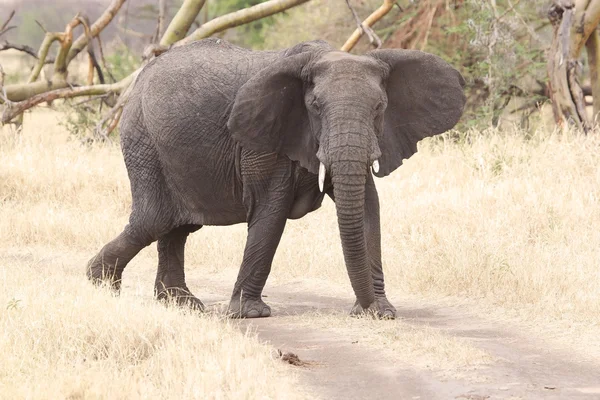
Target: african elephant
{"type": "Point", "coordinates": [214, 134]}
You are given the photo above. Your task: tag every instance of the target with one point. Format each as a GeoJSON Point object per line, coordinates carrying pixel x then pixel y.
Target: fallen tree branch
{"type": "Point", "coordinates": [22, 97]}
{"type": "Point", "coordinates": [370, 21]}
{"type": "Point", "coordinates": [15, 109]}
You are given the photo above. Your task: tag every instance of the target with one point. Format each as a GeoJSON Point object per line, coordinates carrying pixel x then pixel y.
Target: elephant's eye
{"type": "Point", "coordinates": [315, 104]}
{"type": "Point", "coordinates": [379, 106]}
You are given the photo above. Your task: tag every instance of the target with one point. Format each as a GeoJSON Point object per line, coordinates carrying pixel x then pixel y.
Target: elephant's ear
{"type": "Point", "coordinates": [269, 114]}
{"type": "Point", "coordinates": [425, 98]}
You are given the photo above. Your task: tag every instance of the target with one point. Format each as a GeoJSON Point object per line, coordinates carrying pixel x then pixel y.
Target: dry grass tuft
{"type": "Point", "coordinates": [62, 339]}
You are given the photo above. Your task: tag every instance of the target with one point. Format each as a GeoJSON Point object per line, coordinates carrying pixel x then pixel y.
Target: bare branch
{"type": "Point", "coordinates": [162, 11]}
{"type": "Point", "coordinates": [370, 21]}
{"type": "Point", "coordinates": [115, 112]}
{"type": "Point", "coordinates": [103, 59]}
{"type": "Point", "coordinates": [42, 53]}
{"type": "Point", "coordinates": [240, 17]}
{"type": "Point", "coordinates": [41, 26]}
{"type": "Point", "coordinates": [133, 33]}
{"type": "Point", "coordinates": [5, 24]}
{"type": "Point", "coordinates": [15, 109]}
{"type": "Point", "coordinates": [373, 38]}
{"type": "Point", "coordinates": [61, 63]}
{"type": "Point", "coordinates": [5, 28]}
{"type": "Point", "coordinates": [593, 51]}
{"type": "Point", "coordinates": [2, 74]}
{"type": "Point", "coordinates": [182, 21]}
{"type": "Point", "coordinates": [93, 62]}
{"type": "Point", "coordinates": [429, 23]}
{"type": "Point", "coordinates": [25, 49]}
{"type": "Point", "coordinates": [96, 28]}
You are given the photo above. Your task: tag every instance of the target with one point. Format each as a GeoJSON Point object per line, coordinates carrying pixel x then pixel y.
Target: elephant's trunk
{"type": "Point", "coordinates": [349, 156]}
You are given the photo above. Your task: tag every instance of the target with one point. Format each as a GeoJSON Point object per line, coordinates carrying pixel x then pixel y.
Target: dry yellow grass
{"type": "Point", "coordinates": [60, 338]}
{"type": "Point", "coordinates": [510, 221]}
{"type": "Point", "coordinates": [503, 218]}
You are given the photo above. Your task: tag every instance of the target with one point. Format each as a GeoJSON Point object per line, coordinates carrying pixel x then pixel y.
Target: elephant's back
{"type": "Point", "coordinates": [204, 76]}
{"type": "Point", "coordinates": [183, 99]}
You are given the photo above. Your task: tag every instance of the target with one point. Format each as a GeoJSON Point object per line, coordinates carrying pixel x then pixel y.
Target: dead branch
{"type": "Point", "coordinates": [22, 97]}
{"type": "Point", "coordinates": [23, 48]}
{"type": "Point", "coordinates": [572, 22]}
{"type": "Point", "coordinates": [131, 32]}
{"type": "Point", "coordinates": [5, 28]}
{"type": "Point", "coordinates": [18, 108]}
{"type": "Point", "coordinates": [593, 51]}
{"type": "Point", "coordinates": [66, 40]}
{"type": "Point", "coordinates": [2, 74]}
{"type": "Point", "coordinates": [577, 94]}
{"type": "Point", "coordinates": [115, 113]}
{"type": "Point", "coordinates": [95, 29]}
{"type": "Point", "coordinates": [162, 11]}
{"type": "Point", "coordinates": [429, 24]}
{"type": "Point", "coordinates": [182, 21]}
{"type": "Point", "coordinates": [104, 64]}
{"type": "Point", "coordinates": [373, 38]}
{"type": "Point", "coordinates": [92, 61]}
{"type": "Point", "coordinates": [237, 18]}
{"type": "Point", "coordinates": [370, 21]}
{"type": "Point", "coordinates": [42, 53]}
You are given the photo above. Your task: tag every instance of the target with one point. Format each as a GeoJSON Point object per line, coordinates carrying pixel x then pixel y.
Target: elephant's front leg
{"type": "Point", "coordinates": [268, 205]}
{"type": "Point", "coordinates": [382, 306]}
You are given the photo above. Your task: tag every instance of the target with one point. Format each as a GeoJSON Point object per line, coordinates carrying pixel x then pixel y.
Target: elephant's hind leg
{"type": "Point", "coordinates": [170, 276]}
{"type": "Point", "coordinates": [108, 265]}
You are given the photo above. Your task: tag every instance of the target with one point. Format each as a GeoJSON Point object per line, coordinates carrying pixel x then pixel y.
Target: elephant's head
{"type": "Point", "coordinates": [344, 115]}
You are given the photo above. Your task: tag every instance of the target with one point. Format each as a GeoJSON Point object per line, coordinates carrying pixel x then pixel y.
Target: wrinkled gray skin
{"type": "Point", "coordinates": [214, 134]}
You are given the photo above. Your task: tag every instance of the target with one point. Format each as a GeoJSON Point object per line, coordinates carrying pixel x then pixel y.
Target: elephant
{"type": "Point", "coordinates": [215, 134]}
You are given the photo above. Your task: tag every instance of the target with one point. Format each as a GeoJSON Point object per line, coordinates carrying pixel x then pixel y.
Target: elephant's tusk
{"type": "Point", "coordinates": [376, 166]}
{"type": "Point", "coordinates": [321, 176]}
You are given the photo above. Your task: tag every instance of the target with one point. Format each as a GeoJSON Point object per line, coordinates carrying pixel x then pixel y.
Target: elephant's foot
{"type": "Point", "coordinates": [101, 274]}
{"type": "Point", "coordinates": [182, 297]}
{"type": "Point", "coordinates": [248, 308]}
{"type": "Point", "coordinates": [381, 308]}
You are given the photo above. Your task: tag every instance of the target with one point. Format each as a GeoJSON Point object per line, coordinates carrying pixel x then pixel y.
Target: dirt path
{"type": "Point", "coordinates": [340, 365]}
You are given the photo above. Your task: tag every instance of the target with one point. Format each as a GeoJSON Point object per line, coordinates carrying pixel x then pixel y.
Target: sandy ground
{"type": "Point", "coordinates": [348, 358]}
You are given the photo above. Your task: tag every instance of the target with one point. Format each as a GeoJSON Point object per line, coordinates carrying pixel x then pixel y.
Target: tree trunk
{"type": "Point", "coordinates": [593, 52]}
{"type": "Point", "coordinates": [574, 21]}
